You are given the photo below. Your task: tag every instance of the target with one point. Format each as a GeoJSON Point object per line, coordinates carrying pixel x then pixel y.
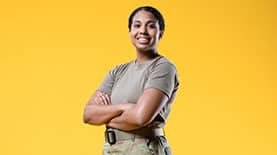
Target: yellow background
{"type": "Point", "coordinates": [54, 54]}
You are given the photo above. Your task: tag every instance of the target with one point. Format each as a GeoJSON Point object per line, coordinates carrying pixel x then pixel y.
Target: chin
{"type": "Point", "coordinates": [144, 47]}
{"type": "Point", "coordinates": [145, 50]}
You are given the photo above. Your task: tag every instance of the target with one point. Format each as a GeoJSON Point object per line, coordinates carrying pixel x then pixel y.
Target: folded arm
{"type": "Point", "coordinates": [142, 113]}
{"type": "Point", "coordinates": [99, 109]}
{"type": "Point", "coordinates": [124, 116]}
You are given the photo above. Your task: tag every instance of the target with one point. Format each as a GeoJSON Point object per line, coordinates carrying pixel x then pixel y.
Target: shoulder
{"type": "Point", "coordinates": [163, 76]}
{"type": "Point", "coordinates": [164, 64]}
{"type": "Point", "coordinates": [118, 69]}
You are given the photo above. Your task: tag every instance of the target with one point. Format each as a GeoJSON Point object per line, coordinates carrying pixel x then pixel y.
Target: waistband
{"type": "Point", "coordinates": [113, 135]}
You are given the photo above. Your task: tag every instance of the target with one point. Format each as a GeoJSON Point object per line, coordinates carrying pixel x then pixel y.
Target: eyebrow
{"type": "Point", "coordinates": [150, 21]}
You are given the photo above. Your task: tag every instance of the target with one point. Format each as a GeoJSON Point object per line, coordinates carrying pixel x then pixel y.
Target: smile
{"type": "Point", "coordinates": [143, 40]}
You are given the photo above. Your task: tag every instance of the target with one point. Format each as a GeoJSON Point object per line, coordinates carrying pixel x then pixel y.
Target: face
{"type": "Point", "coordinates": [145, 32]}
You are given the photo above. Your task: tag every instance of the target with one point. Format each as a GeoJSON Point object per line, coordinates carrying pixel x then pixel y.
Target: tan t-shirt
{"type": "Point", "coordinates": [126, 83]}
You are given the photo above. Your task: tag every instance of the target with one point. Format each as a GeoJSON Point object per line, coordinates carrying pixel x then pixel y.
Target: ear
{"type": "Point", "coordinates": [161, 35]}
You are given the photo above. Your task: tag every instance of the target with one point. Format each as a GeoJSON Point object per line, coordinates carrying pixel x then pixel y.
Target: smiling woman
{"type": "Point", "coordinates": [145, 32]}
{"type": "Point", "coordinates": [135, 98]}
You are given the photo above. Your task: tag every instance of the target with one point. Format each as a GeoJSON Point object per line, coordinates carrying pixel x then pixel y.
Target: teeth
{"type": "Point", "coordinates": [143, 39]}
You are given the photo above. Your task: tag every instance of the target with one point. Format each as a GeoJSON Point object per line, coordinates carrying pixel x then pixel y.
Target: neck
{"type": "Point", "coordinates": [146, 55]}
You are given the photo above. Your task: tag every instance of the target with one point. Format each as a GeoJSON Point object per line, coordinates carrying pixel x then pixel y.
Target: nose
{"type": "Point", "coordinates": [143, 30]}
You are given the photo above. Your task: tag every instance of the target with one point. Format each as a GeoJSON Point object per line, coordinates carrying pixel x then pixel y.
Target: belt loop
{"type": "Point", "coordinates": [134, 137]}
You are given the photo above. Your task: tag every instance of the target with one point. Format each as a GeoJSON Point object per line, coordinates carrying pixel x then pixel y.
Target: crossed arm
{"type": "Point", "coordinates": [124, 116]}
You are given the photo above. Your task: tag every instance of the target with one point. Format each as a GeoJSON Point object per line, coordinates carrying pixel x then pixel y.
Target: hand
{"type": "Point", "coordinates": [102, 98]}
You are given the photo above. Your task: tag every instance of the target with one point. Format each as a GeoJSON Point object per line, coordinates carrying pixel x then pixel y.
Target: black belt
{"type": "Point", "coordinates": [114, 135]}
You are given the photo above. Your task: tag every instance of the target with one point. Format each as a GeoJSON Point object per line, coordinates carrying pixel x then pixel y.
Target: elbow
{"type": "Point", "coordinates": [91, 121]}
{"type": "Point", "coordinates": [88, 119]}
{"type": "Point", "coordinates": [142, 123]}
{"type": "Point", "coordinates": [142, 120]}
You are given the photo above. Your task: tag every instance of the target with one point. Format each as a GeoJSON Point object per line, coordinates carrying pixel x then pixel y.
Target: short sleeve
{"type": "Point", "coordinates": [163, 77]}
{"type": "Point", "coordinates": [111, 78]}
{"type": "Point", "coordinates": [108, 82]}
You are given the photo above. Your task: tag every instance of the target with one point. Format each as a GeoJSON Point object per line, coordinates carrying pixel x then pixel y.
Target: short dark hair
{"type": "Point", "coordinates": [156, 13]}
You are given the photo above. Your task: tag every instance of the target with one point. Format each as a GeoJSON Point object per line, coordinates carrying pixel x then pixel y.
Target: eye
{"type": "Point", "coordinates": [136, 25]}
{"type": "Point", "coordinates": [152, 26]}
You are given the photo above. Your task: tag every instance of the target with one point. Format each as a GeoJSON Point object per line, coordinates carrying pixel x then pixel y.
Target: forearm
{"type": "Point", "coordinates": [96, 114]}
{"type": "Point", "coordinates": [143, 113]}
{"type": "Point", "coordinates": [128, 120]}
{"type": "Point", "coordinates": [122, 124]}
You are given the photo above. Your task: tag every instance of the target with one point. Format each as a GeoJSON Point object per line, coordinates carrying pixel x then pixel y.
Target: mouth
{"type": "Point", "coordinates": [143, 40]}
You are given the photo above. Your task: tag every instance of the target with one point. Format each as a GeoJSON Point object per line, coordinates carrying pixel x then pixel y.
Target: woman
{"type": "Point", "coordinates": [134, 99]}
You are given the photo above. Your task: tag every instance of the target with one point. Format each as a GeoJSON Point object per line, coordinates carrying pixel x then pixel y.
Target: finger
{"type": "Point", "coordinates": [96, 100]}
{"type": "Point", "coordinates": [108, 98]}
{"type": "Point", "coordinates": [100, 99]}
{"type": "Point", "coordinates": [105, 100]}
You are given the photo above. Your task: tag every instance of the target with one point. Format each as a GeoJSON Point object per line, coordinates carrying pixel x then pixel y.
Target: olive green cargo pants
{"type": "Point", "coordinates": [139, 146]}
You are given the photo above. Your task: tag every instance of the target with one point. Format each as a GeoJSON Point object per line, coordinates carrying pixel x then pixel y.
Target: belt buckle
{"type": "Point", "coordinates": [110, 134]}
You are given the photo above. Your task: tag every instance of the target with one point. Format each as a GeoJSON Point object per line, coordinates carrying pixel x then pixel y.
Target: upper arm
{"type": "Point", "coordinates": [108, 82]}
{"type": "Point", "coordinates": [159, 89]}
{"type": "Point", "coordinates": [149, 105]}
{"type": "Point", "coordinates": [164, 78]}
